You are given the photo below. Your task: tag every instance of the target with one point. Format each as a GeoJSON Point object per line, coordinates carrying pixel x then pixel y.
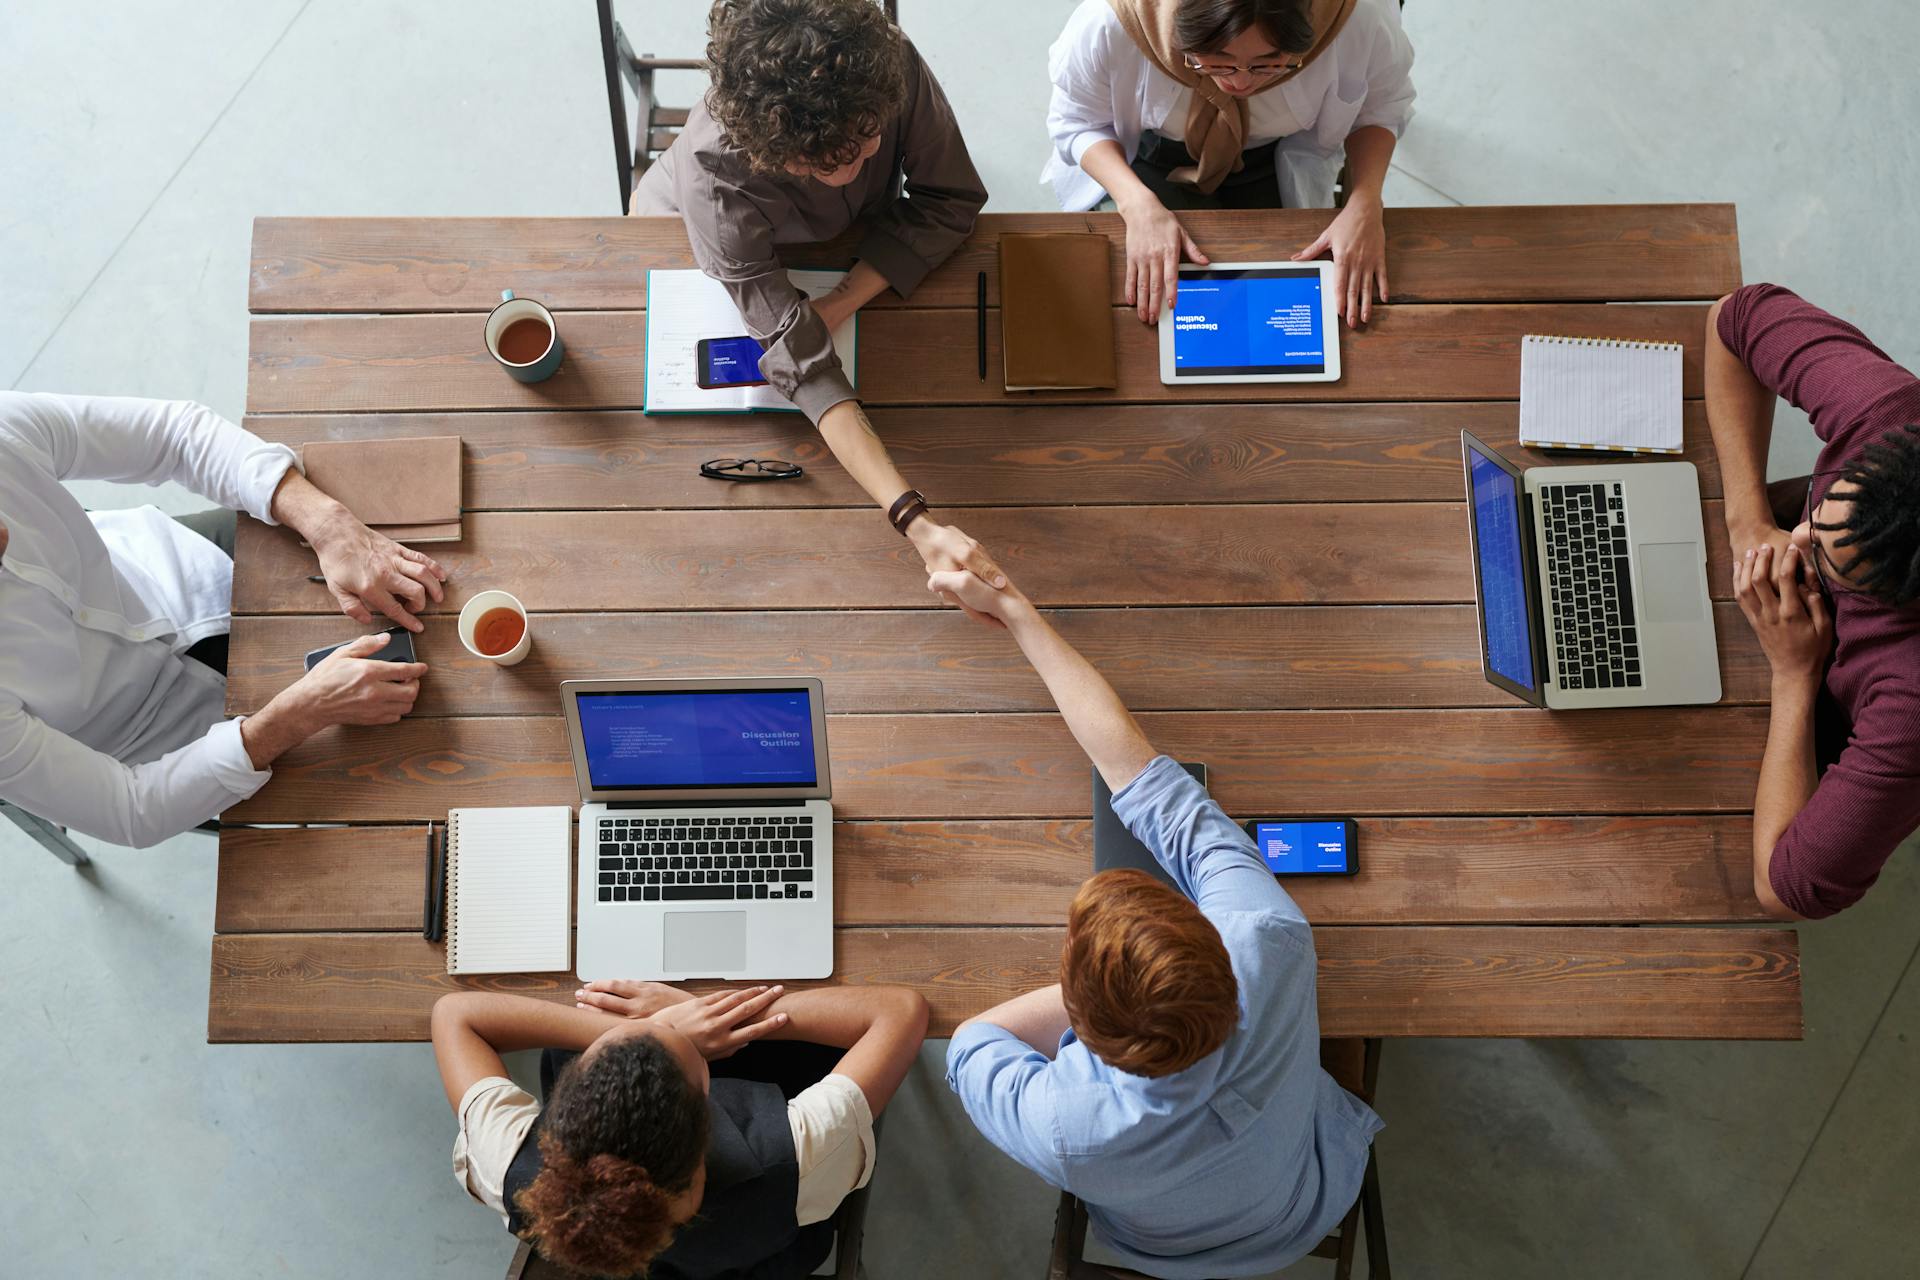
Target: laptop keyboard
{"type": "Point", "coordinates": [744, 857]}
{"type": "Point", "coordinates": [1590, 585]}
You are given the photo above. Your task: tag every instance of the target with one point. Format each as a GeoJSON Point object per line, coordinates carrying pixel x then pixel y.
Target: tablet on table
{"type": "Point", "coordinates": [1251, 322]}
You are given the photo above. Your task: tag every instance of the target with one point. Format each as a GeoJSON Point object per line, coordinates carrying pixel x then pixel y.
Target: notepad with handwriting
{"type": "Point", "coordinates": [685, 306]}
{"type": "Point", "coordinates": [1600, 393]}
{"type": "Point", "coordinates": [509, 877]}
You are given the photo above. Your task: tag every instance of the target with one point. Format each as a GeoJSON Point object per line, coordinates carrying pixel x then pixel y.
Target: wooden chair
{"type": "Point", "coordinates": [656, 126]}
{"type": "Point", "coordinates": [1357, 1073]}
{"type": "Point", "coordinates": [54, 839]}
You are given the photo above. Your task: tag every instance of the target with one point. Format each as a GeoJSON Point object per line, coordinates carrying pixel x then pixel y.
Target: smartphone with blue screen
{"type": "Point", "coordinates": [728, 362]}
{"type": "Point", "coordinates": [1307, 846]}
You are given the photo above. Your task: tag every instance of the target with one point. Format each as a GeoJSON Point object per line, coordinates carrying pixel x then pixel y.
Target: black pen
{"type": "Point", "coordinates": [315, 577]}
{"type": "Point", "coordinates": [980, 312]}
{"type": "Point", "coordinates": [426, 899]}
{"type": "Point", "coordinates": [438, 929]}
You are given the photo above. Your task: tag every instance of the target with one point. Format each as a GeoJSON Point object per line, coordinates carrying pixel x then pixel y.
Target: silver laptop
{"type": "Point", "coordinates": [1591, 582]}
{"type": "Point", "coordinates": [706, 839]}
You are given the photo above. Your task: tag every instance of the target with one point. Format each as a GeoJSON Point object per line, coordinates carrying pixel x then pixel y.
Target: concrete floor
{"type": "Point", "coordinates": [140, 140]}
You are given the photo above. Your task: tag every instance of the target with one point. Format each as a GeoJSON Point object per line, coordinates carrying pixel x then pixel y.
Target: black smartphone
{"type": "Point", "coordinates": [397, 649]}
{"type": "Point", "coordinates": [729, 362]}
{"type": "Point", "coordinates": [1307, 846]}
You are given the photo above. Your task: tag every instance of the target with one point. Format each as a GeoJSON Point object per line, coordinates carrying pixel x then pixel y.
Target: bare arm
{"type": "Point", "coordinates": [1100, 723]}
{"type": "Point", "coordinates": [856, 289]}
{"type": "Point", "coordinates": [880, 1028]}
{"type": "Point", "coordinates": [1740, 418]}
{"type": "Point", "coordinates": [365, 571]}
{"type": "Point", "coordinates": [1787, 780]}
{"type": "Point", "coordinates": [471, 1029]}
{"type": "Point", "coordinates": [1037, 1017]}
{"type": "Point", "coordinates": [857, 445]}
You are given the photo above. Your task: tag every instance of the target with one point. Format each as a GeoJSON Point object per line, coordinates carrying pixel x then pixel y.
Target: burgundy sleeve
{"type": "Point", "coordinates": [1818, 362]}
{"type": "Point", "coordinates": [1865, 805]}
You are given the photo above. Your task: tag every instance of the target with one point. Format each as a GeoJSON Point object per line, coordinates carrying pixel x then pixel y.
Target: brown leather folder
{"type": "Point", "coordinates": [407, 489]}
{"type": "Point", "coordinates": [1056, 311]}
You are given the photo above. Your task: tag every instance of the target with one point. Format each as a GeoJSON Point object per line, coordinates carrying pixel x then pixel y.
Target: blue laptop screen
{"type": "Point", "coordinates": [701, 738]}
{"type": "Point", "coordinates": [1503, 585]}
{"type": "Point", "coordinates": [1258, 320]}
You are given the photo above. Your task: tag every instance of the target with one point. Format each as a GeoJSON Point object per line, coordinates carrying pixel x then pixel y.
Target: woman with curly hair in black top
{"type": "Point", "coordinates": [651, 1154]}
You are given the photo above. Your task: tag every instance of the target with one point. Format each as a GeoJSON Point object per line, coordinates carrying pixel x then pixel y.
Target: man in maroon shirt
{"type": "Point", "coordinates": [1826, 564]}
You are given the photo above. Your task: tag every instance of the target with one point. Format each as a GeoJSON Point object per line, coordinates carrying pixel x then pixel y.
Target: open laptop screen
{"type": "Point", "coordinates": [695, 739]}
{"type": "Point", "coordinates": [1501, 569]}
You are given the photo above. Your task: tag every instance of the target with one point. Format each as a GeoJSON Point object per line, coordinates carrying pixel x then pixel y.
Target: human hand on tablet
{"type": "Point", "coordinates": [1357, 237]}
{"type": "Point", "coordinates": [1155, 241]}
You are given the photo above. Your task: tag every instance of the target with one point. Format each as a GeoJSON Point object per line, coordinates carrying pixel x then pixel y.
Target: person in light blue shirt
{"type": "Point", "coordinates": [1172, 1079]}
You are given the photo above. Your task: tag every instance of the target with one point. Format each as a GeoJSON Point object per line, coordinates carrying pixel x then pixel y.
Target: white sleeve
{"type": "Point", "coordinates": [1390, 94]}
{"type": "Point", "coordinates": [833, 1142]}
{"type": "Point", "coordinates": [495, 1115]}
{"type": "Point", "coordinates": [52, 776]}
{"type": "Point", "coordinates": [1080, 112]}
{"type": "Point", "coordinates": [137, 441]}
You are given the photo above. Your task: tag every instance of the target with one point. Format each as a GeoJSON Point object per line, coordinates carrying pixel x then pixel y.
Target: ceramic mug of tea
{"type": "Point", "coordinates": [521, 335]}
{"type": "Point", "coordinates": [493, 625]}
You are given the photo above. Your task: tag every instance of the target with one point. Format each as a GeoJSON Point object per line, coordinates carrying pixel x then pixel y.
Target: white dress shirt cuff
{"type": "Point", "coordinates": [229, 762]}
{"type": "Point", "coordinates": [261, 470]}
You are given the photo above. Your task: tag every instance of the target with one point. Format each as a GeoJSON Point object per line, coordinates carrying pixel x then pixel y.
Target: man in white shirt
{"type": "Point", "coordinates": [107, 725]}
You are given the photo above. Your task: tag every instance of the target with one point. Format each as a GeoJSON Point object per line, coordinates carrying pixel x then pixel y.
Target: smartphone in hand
{"type": "Point", "coordinates": [399, 648]}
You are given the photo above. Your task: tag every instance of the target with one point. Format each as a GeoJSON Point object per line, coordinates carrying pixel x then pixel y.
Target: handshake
{"type": "Point", "coordinates": [961, 572]}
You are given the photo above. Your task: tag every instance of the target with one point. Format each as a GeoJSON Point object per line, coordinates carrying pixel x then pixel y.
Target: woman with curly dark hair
{"type": "Point", "coordinates": [646, 1159]}
{"type": "Point", "coordinates": [821, 114]}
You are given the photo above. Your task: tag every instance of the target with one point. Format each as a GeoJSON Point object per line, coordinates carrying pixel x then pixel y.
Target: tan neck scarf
{"type": "Point", "coordinates": [1216, 120]}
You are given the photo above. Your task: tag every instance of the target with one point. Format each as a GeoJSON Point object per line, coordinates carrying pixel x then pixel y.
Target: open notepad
{"type": "Point", "coordinates": [509, 879]}
{"type": "Point", "coordinates": [685, 306]}
{"type": "Point", "coordinates": [1600, 393]}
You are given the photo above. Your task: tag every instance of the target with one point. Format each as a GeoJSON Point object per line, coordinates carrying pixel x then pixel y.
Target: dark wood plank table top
{"type": "Point", "coordinates": [1275, 577]}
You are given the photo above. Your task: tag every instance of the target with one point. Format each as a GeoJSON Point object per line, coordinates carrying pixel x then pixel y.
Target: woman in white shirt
{"type": "Point", "coordinates": [644, 1158]}
{"type": "Point", "coordinates": [1229, 104]}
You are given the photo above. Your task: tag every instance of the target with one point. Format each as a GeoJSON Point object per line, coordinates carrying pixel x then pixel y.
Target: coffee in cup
{"type": "Point", "coordinates": [522, 336]}
{"type": "Point", "coordinates": [494, 626]}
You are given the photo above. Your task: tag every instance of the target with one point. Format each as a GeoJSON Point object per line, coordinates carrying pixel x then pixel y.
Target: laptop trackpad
{"type": "Point", "coordinates": [706, 941]}
{"type": "Point", "coordinates": [1670, 587]}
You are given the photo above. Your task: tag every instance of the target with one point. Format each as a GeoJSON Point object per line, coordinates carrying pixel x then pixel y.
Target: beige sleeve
{"type": "Point", "coordinates": [495, 1115]}
{"type": "Point", "coordinates": [833, 1141]}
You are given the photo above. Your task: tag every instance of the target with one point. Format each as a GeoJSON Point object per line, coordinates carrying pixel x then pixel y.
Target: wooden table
{"type": "Point", "coordinates": [1276, 578]}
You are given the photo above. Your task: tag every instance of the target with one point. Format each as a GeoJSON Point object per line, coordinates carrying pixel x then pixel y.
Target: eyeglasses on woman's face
{"type": "Point", "coordinates": [1220, 68]}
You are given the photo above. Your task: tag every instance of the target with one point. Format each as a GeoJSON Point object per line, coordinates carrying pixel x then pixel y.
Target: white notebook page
{"type": "Point", "coordinates": [509, 881]}
{"type": "Point", "coordinates": [685, 306]}
{"type": "Point", "coordinates": [1600, 393]}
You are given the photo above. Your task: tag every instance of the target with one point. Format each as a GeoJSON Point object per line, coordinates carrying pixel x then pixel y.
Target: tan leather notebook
{"type": "Point", "coordinates": [1056, 311]}
{"type": "Point", "coordinates": [407, 489]}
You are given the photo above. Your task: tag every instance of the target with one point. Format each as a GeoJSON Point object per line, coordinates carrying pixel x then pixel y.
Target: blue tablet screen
{"type": "Point", "coordinates": [1252, 320]}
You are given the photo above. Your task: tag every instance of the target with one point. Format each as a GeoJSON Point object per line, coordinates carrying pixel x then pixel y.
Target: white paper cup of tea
{"type": "Point", "coordinates": [494, 626]}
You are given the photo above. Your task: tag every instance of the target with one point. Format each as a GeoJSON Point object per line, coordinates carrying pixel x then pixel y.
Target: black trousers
{"type": "Point", "coordinates": [1255, 186]}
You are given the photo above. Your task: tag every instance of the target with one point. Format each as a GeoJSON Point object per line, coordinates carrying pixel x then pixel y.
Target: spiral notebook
{"type": "Point", "coordinates": [1600, 393]}
{"type": "Point", "coordinates": [509, 880]}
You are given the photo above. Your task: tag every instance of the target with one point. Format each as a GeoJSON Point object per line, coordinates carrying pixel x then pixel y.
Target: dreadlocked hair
{"type": "Point", "coordinates": [1884, 526]}
{"type": "Point", "coordinates": [624, 1132]}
